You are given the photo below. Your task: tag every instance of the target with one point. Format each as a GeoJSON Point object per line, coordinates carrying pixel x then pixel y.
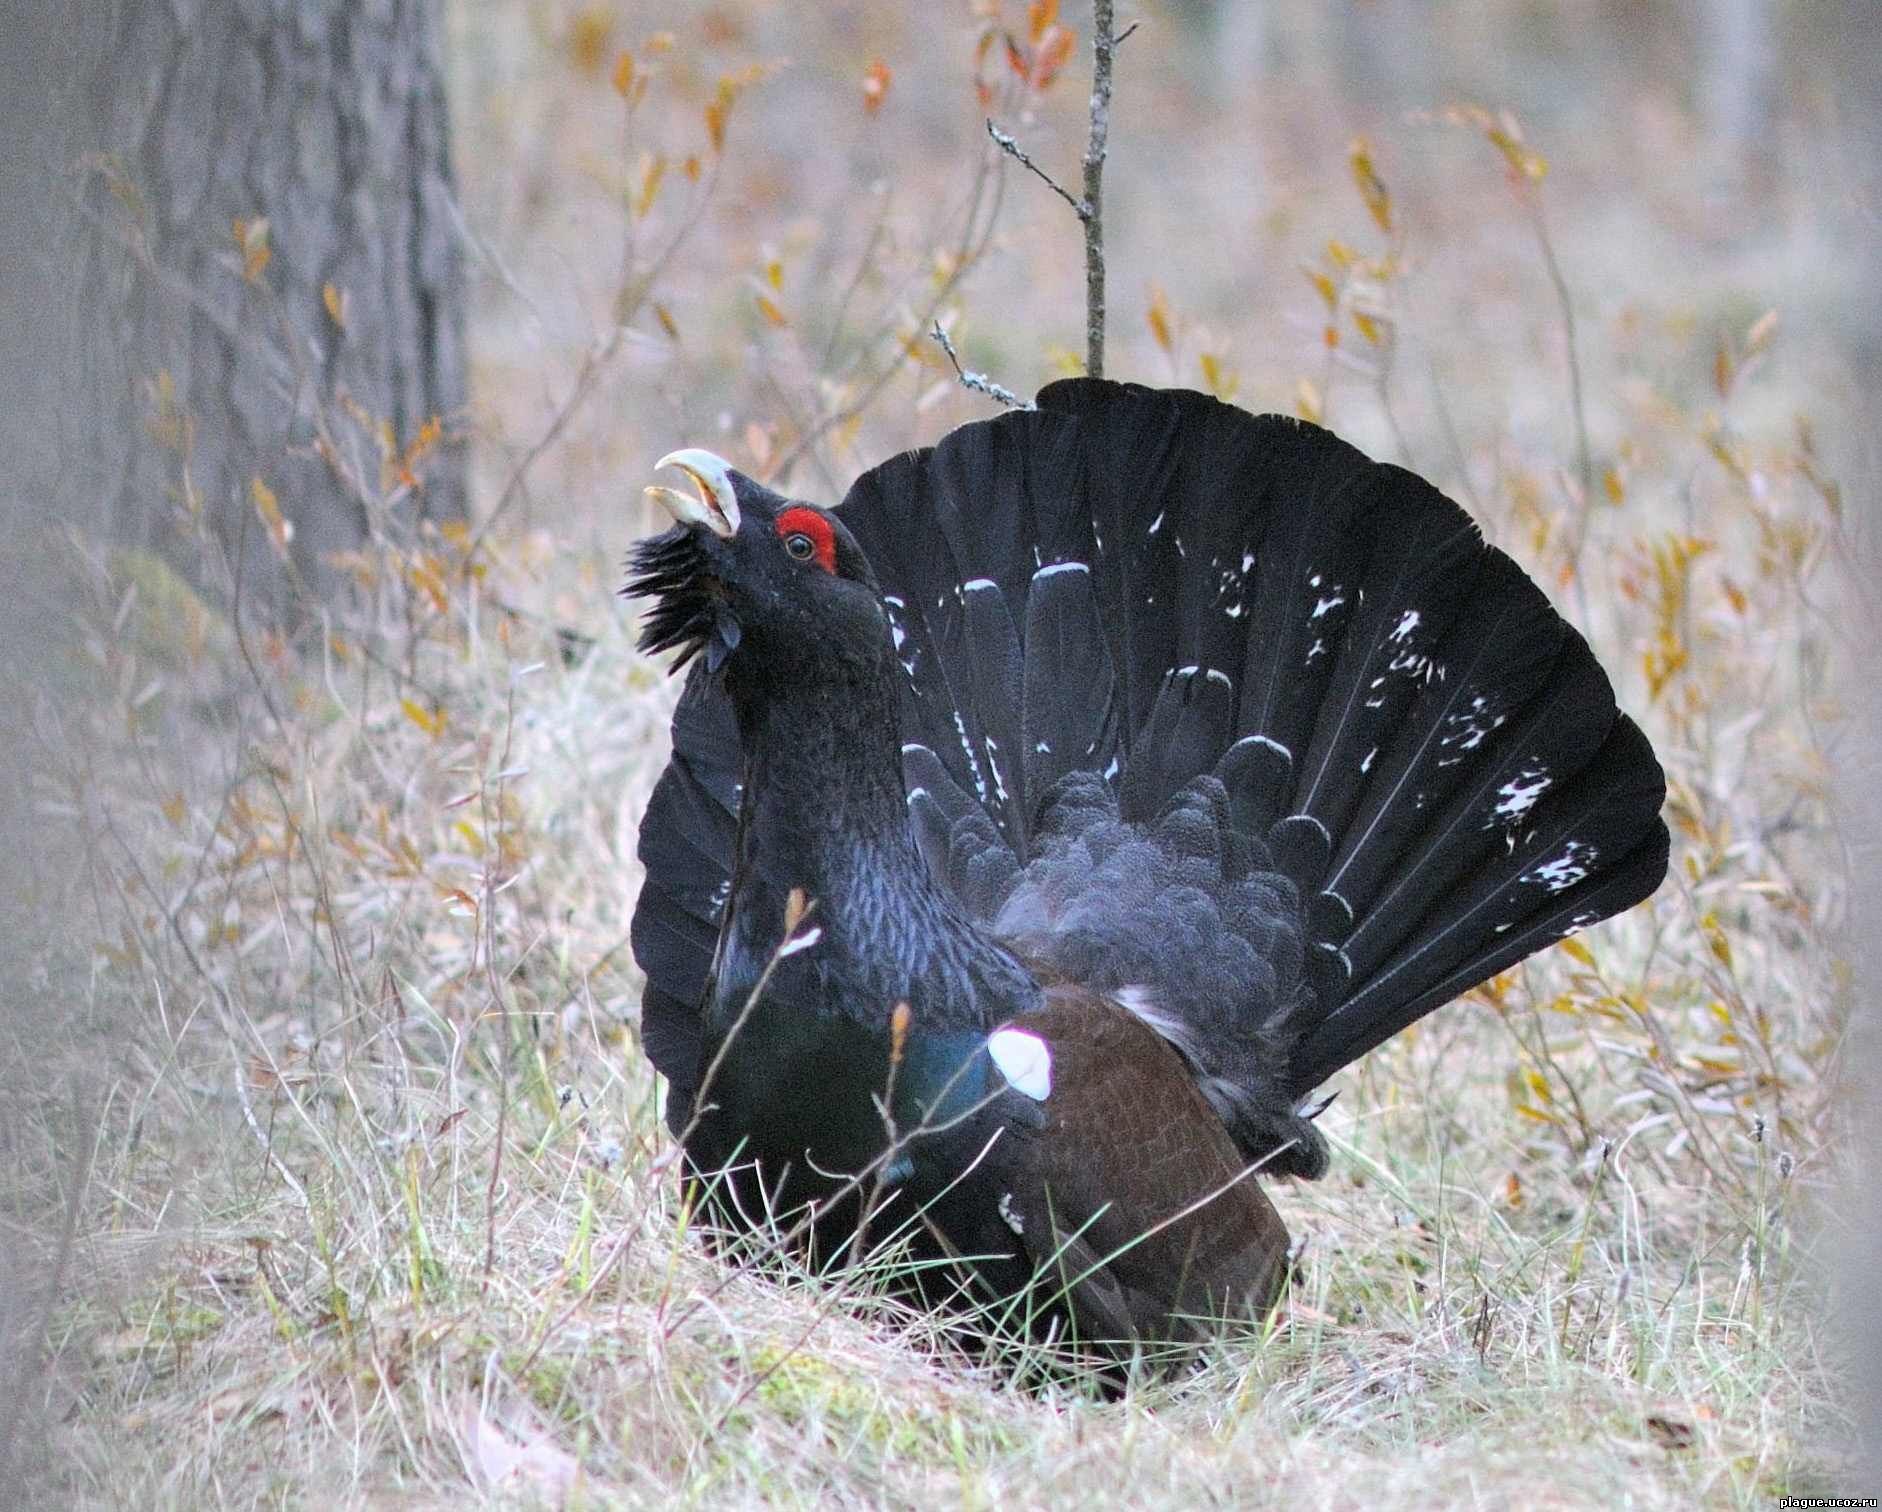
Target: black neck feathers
{"type": "Point", "coordinates": [823, 809]}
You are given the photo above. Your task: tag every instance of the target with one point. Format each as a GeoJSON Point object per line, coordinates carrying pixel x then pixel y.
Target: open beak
{"type": "Point", "coordinates": [716, 506]}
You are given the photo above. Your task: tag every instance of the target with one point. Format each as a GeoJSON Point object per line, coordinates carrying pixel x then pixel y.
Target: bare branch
{"type": "Point", "coordinates": [1103, 46]}
{"type": "Point", "coordinates": [1012, 149]}
{"type": "Point", "coordinates": [980, 383]}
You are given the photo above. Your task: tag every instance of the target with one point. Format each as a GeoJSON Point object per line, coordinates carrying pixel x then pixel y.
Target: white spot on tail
{"type": "Point", "coordinates": [973, 762]}
{"type": "Point", "coordinates": [1058, 567]}
{"type": "Point", "coordinates": [1564, 871]}
{"type": "Point", "coordinates": [978, 585]}
{"type": "Point", "coordinates": [1407, 623]}
{"type": "Point", "coordinates": [1156, 524]}
{"type": "Point", "coordinates": [993, 766]}
{"type": "Point", "coordinates": [1024, 1060]}
{"type": "Point", "coordinates": [1013, 1221]}
{"type": "Point", "coordinates": [1518, 796]}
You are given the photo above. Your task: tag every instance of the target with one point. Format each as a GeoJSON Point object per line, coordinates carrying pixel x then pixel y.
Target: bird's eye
{"type": "Point", "coordinates": [800, 546]}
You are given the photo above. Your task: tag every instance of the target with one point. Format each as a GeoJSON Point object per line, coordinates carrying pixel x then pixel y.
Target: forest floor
{"type": "Point", "coordinates": [347, 1169]}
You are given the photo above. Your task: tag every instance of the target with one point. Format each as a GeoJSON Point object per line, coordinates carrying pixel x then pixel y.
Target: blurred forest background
{"type": "Point", "coordinates": [335, 344]}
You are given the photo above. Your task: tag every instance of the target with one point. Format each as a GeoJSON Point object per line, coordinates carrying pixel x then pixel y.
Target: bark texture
{"type": "Point", "coordinates": [313, 355]}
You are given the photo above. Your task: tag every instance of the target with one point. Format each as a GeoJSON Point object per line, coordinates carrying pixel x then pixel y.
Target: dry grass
{"type": "Point", "coordinates": [369, 1199]}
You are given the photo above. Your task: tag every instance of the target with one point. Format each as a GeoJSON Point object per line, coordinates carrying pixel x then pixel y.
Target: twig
{"type": "Point", "coordinates": [1010, 146]}
{"type": "Point", "coordinates": [1090, 209]}
{"type": "Point", "coordinates": [1584, 457]}
{"type": "Point", "coordinates": [1103, 46]}
{"type": "Point", "coordinates": [967, 252]}
{"type": "Point", "coordinates": [980, 383]}
{"type": "Point", "coordinates": [628, 300]}
{"type": "Point", "coordinates": [487, 910]}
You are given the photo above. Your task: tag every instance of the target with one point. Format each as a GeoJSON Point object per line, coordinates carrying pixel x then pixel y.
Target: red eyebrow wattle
{"type": "Point", "coordinates": [801, 521]}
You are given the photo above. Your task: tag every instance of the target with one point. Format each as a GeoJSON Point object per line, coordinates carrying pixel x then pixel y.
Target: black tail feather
{"type": "Point", "coordinates": [1284, 657]}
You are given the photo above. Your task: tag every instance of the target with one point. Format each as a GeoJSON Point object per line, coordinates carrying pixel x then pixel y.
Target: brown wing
{"type": "Point", "coordinates": [1131, 1197]}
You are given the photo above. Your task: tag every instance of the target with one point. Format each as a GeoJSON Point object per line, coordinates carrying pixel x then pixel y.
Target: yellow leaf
{"type": "Point", "coordinates": [425, 577]}
{"type": "Point", "coordinates": [691, 169]}
{"type": "Point", "coordinates": [1613, 487]}
{"type": "Point", "coordinates": [335, 301]}
{"type": "Point", "coordinates": [659, 42]}
{"type": "Point", "coordinates": [1762, 330]}
{"type": "Point", "coordinates": [774, 274]}
{"type": "Point", "coordinates": [667, 323]}
{"type": "Point", "coordinates": [624, 74]}
{"type": "Point", "coordinates": [1734, 595]}
{"type": "Point", "coordinates": [1505, 139]}
{"type": "Point", "coordinates": [588, 38]}
{"type": "Point", "coordinates": [1576, 951]}
{"type": "Point", "coordinates": [771, 312]}
{"type": "Point", "coordinates": [1341, 255]}
{"type": "Point", "coordinates": [428, 721]}
{"type": "Point", "coordinates": [1219, 379]}
{"type": "Point", "coordinates": [1329, 294]}
{"type": "Point", "coordinates": [280, 528]}
{"type": "Point", "coordinates": [1368, 326]}
{"type": "Point", "coordinates": [1159, 317]}
{"type": "Point", "coordinates": [1307, 401]}
{"type": "Point", "coordinates": [719, 110]}
{"type": "Point", "coordinates": [653, 170]}
{"type": "Point", "coordinates": [174, 809]}
{"type": "Point", "coordinates": [1062, 360]}
{"type": "Point", "coordinates": [251, 236]}
{"type": "Point", "coordinates": [1371, 187]}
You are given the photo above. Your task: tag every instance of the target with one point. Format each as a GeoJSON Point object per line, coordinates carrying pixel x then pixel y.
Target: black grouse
{"type": "Point", "coordinates": [1046, 824]}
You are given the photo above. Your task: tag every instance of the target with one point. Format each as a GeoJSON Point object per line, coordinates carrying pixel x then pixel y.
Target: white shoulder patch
{"type": "Point", "coordinates": [1024, 1060]}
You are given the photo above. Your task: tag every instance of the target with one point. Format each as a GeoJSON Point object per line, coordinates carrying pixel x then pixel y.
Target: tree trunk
{"type": "Point", "coordinates": [270, 296]}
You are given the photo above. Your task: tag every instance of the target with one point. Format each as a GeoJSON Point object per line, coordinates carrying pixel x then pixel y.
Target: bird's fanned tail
{"type": "Point", "coordinates": [1341, 759]}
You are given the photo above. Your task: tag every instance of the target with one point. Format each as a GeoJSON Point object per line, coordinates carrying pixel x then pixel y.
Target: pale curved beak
{"type": "Point", "coordinates": [716, 508]}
